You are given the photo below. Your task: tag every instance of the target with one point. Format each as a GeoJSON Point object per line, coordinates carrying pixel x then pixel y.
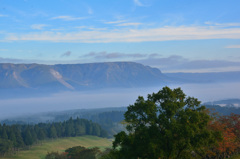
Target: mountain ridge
{"type": "Point", "coordinates": [79, 76]}
{"type": "Point", "coordinates": [60, 77]}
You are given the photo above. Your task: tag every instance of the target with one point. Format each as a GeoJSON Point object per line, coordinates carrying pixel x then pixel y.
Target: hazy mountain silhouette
{"type": "Point", "coordinates": [39, 79]}
{"type": "Point", "coordinates": [79, 76]}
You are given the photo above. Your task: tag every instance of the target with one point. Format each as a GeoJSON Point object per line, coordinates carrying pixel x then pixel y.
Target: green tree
{"type": "Point", "coordinates": [56, 155]}
{"type": "Point", "coordinates": [12, 138]}
{"type": "Point", "coordinates": [4, 133]}
{"type": "Point", "coordinates": [27, 137]}
{"type": "Point", "coordinates": [79, 152]}
{"type": "Point", "coordinates": [165, 125]}
{"type": "Point", "coordinates": [19, 140]}
{"type": "Point", "coordinates": [5, 146]}
{"type": "Point", "coordinates": [96, 130]}
{"type": "Point", "coordinates": [53, 132]}
{"type": "Point", "coordinates": [41, 134]}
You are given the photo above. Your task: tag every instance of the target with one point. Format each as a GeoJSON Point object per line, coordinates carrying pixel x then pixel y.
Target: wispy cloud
{"type": "Point", "coordinates": [66, 54]}
{"type": "Point", "coordinates": [223, 24]}
{"type": "Point", "coordinates": [96, 29]}
{"type": "Point", "coordinates": [138, 3]}
{"type": "Point", "coordinates": [132, 35]}
{"type": "Point", "coordinates": [129, 24]}
{"type": "Point", "coordinates": [11, 60]}
{"type": "Point", "coordinates": [115, 22]}
{"type": "Point", "coordinates": [38, 26]}
{"type": "Point", "coordinates": [69, 18]}
{"type": "Point", "coordinates": [233, 46]}
{"type": "Point", "coordinates": [113, 55]}
{"type": "Point", "coordinates": [90, 28]}
{"type": "Point", "coordinates": [141, 4]}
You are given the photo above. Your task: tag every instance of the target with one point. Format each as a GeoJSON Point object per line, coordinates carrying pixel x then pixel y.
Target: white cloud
{"type": "Point", "coordinates": [81, 27]}
{"type": "Point", "coordinates": [223, 24]}
{"type": "Point", "coordinates": [132, 35]}
{"type": "Point", "coordinates": [142, 3]}
{"type": "Point", "coordinates": [38, 26]}
{"type": "Point", "coordinates": [90, 28]}
{"type": "Point", "coordinates": [233, 46]}
{"type": "Point", "coordinates": [129, 24]}
{"type": "Point", "coordinates": [138, 3]}
{"type": "Point", "coordinates": [115, 22]}
{"type": "Point", "coordinates": [69, 18]}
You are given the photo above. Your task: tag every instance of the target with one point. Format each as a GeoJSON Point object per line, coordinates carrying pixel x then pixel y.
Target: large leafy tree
{"type": "Point", "coordinates": [165, 125]}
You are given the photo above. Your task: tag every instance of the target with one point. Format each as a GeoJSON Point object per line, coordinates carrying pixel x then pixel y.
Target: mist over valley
{"type": "Point", "coordinates": [33, 88]}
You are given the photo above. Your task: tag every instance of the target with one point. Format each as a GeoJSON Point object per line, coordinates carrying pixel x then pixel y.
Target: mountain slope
{"type": "Point", "coordinates": [79, 76]}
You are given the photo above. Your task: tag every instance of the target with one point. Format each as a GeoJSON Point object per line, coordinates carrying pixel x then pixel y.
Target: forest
{"type": "Point", "coordinates": [16, 137]}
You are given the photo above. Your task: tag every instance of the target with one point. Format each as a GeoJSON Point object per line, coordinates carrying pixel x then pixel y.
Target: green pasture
{"type": "Point", "coordinates": [39, 151]}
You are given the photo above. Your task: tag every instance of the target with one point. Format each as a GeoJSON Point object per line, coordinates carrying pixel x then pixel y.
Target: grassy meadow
{"type": "Point", "coordinates": [39, 151]}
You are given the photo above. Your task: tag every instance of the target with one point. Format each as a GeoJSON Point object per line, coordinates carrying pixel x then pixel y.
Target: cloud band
{"type": "Point", "coordinates": [134, 35]}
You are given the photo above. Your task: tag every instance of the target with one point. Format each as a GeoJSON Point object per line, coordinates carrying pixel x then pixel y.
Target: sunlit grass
{"type": "Point", "coordinates": [39, 151]}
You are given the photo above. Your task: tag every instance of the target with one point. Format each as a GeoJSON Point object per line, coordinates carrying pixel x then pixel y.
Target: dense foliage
{"type": "Point", "coordinates": [165, 125]}
{"type": "Point", "coordinates": [14, 137]}
{"type": "Point", "coordinates": [229, 126]}
{"type": "Point", "coordinates": [109, 120]}
{"type": "Point", "coordinates": [78, 152]}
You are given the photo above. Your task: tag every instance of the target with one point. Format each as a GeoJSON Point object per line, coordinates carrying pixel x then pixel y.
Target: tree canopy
{"type": "Point", "coordinates": [165, 125]}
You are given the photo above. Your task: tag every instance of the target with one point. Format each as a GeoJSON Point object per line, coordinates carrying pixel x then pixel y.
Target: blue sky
{"type": "Point", "coordinates": [173, 35]}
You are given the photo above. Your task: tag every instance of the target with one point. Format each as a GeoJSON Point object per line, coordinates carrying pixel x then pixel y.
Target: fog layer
{"type": "Point", "coordinates": [109, 98]}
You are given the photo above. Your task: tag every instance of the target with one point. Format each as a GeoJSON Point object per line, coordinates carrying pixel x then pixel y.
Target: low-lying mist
{"type": "Point", "coordinates": [108, 98]}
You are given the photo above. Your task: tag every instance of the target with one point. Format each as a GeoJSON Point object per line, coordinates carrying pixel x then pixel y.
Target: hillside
{"type": "Point", "coordinates": [78, 76]}
{"type": "Point", "coordinates": [224, 107]}
{"type": "Point", "coordinates": [226, 103]}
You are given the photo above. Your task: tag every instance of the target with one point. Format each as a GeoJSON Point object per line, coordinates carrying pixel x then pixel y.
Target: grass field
{"type": "Point", "coordinates": [39, 151]}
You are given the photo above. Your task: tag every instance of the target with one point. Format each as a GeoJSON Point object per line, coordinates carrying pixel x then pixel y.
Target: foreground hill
{"type": "Point", "coordinates": [78, 76]}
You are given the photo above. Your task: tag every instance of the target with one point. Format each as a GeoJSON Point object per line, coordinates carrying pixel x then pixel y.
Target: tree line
{"type": "Point", "coordinates": [16, 136]}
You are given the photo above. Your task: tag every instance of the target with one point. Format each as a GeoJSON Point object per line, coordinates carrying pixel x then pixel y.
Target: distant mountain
{"type": "Point", "coordinates": [226, 103]}
{"type": "Point", "coordinates": [79, 76]}
{"type": "Point", "coordinates": [223, 110]}
{"type": "Point", "coordinates": [224, 107]}
{"type": "Point", "coordinates": [39, 79]}
{"type": "Point", "coordinates": [210, 77]}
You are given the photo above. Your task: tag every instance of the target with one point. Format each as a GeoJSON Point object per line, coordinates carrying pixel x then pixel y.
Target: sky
{"type": "Point", "coordinates": [172, 35]}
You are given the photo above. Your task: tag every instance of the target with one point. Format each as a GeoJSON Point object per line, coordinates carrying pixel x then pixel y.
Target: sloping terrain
{"type": "Point", "coordinates": [79, 76]}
